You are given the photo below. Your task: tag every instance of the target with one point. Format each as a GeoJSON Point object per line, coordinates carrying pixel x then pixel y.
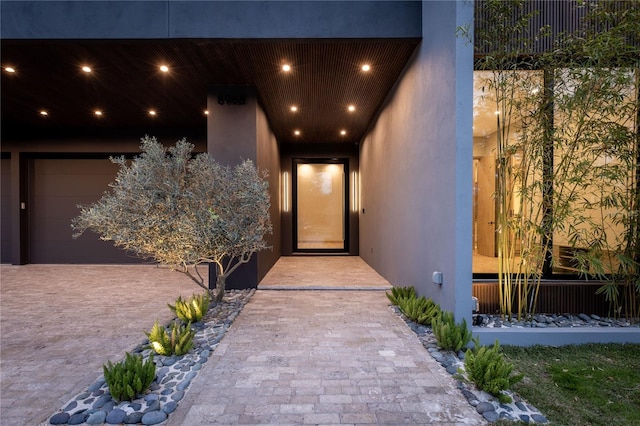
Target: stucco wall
{"type": "Point", "coordinates": [416, 167]}
{"type": "Point", "coordinates": [268, 158]}
{"type": "Point", "coordinates": [208, 19]}
{"type": "Point", "coordinates": [238, 132]}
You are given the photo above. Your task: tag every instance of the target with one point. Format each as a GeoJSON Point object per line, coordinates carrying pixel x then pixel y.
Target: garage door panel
{"type": "Point", "coordinates": [61, 207]}
{"type": "Point", "coordinates": [59, 185]}
{"type": "Point", "coordinates": [70, 185]}
{"type": "Point", "coordinates": [101, 166]}
{"type": "Point", "coordinates": [5, 211]}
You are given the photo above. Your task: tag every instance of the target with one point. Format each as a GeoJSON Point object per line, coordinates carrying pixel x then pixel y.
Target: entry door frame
{"type": "Point", "coordinates": [294, 189]}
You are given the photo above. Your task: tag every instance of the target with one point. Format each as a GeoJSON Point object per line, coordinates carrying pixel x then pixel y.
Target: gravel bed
{"type": "Point", "coordinates": [546, 321]}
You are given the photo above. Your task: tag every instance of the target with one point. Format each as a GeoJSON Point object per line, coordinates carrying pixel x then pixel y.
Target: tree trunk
{"type": "Point", "coordinates": [220, 287]}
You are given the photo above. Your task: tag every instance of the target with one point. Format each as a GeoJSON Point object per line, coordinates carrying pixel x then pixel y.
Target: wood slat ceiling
{"type": "Point", "coordinates": [125, 83]}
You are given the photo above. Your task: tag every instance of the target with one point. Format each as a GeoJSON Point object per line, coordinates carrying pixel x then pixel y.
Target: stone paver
{"type": "Point", "coordinates": [60, 323]}
{"type": "Point", "coordinates": [323, 272]}
{"type": "Point", "coordinates": [291, 357]}
{"type": "Point", "coordinates": [329, 357]}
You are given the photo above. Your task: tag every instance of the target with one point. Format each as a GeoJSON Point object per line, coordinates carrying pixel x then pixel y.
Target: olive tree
{"type": "Point", "coordinates": [183, 210]}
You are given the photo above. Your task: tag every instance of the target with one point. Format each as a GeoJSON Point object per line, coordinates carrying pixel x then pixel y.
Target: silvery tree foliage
{"type": "Point", "coordinates": [183, 211]}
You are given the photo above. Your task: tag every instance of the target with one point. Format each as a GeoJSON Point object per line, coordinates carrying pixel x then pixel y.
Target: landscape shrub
{"type": "Point", "coordinates": [449, 335]}
{"type": "Point", "coordinates": [129, 378]}
{"type": "Point", "coordinates": [486, 367]}
{"type": "Point", "coordinates": [398, 293]}
{"type": "Point", "coordinates": [178, 342]}
{"type": "Point", "coordinates": [421, 310]}
{"type": "Point", "coordinates": [193, 309]}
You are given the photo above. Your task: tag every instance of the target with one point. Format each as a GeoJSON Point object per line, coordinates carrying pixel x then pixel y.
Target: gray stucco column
{"type": "Point", "coordinates": [231, 139]}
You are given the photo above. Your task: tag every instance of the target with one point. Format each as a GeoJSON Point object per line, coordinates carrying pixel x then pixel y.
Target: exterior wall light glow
{"type": "Point", "coordinates": [10, 69]}
{"type": "Point", "coordinates": [285, 191]}
{"type": "Point", "coordinates": [366, 67]}
{"type": "Point", "coordinates": [164, 68]}
{"type": "Point", "coordinates": [86, 69]}
{"type": "Point", "coordinates": [152, 112]}
{"type": "Point", "coordinates": [355, 192]}
{"type": "Point", "coordinates": [351, 108]}
{"type": "Point", "coordinates": [206, 112]}
{"type": "Point", "coordinates": [286, 68]}
{"type": "Point", "coordinates": [343, 132]}
{"type": "Point", "coordinates": [44, 113]}
{"type": "Point", "coordinates": [296, 132]}
{"type": "Point", "coordinates": [294, 108]}
{"type": "Point", "coordinates": [98, 112]}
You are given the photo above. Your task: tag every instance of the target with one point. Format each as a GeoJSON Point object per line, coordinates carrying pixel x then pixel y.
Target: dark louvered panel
{"type": "Point", "coordinates": [562, 16]}
{"type": "Point", "coordinates": [126, 83]}
{"type": "Point", "coordinates": [553, 298]}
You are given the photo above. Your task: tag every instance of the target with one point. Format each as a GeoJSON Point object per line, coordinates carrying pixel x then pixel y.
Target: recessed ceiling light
{"type": "Point", "coordinates": [296, 132]}
{"type": "Point", "coordinates": [286, 68]}
{"type": "Point", "coordinates": [164, 68]}
{"type": "Point", "coordinates": [44, 113]}
{"type": "Point", "coordinates": [351, 108]}
{"type": "Point", "coordinates": [10, 69]}
{"type": "Point", "coordinates": [294, 108]}
{"type": "Point", "coordinates": [98, 112]}
{"type": "Point", "coordinates": [152, 112]}
{"type": "Point", "coordinates": [366, 67]}
{"type": "Point", "coordinates": [206, 112]}
{"type": "Point", "coordinates": [86, 69]}
{"type": "Point", "coordinates": [343, 132]}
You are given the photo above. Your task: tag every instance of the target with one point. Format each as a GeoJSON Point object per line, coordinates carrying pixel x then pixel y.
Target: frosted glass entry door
{"type": "Point", "coordinates": [320, 209]}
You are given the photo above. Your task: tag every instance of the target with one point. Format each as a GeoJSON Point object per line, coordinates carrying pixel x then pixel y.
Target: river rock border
{"type": "Point", "coordinates": [550, 321]}
{"type": "Point", "coordinates": [173, 375]}
{"type": "Point", "coordinates": [485, 404]}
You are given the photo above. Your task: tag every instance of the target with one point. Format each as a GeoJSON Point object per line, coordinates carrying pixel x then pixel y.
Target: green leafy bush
{"type": "Point", "coordinates": [130, 377]}
{"type": "Point", "coordinates": [420, 310]}
{"type": "Point", "coordinates": [451, 336]}
{"type": "Point", "coordinates": [179, 341]}
{"type": "Point", "coordinates": [193, 309]}
{"type": "Point", "coordinates": [486, 367]}
{"type": "Point", "coordinates": [398, 293]}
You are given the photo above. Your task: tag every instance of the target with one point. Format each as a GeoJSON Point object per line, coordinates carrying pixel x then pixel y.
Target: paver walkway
{"type": "Point", "coordinates": [326, 272]}
{"type": "Point", "coordinates": [60, 323]}
{"type": "Point", "coordinates": [322, 357]}
{"type": "Point", "coordinates": [291, 357]}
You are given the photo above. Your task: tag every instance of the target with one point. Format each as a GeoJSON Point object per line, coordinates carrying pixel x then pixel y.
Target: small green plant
{"type": "Point", "coordinates": [451, 336]}
{"type": "Point", "coordinates": [179, 341]}
{"type": "Point", "coordinates": [486, 367]}
{"type": "Point", "coordinates": [421, 310]}
{"type": "Point", "coordinates": [130, 377]}
{"type": "Point", "coordinates": [193, 309]}
{"type": "Point", "coordinates": [398, 293]}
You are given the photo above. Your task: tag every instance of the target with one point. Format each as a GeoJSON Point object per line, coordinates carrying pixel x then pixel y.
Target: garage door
{"type": "Point", "coordinates": [5, 212]}
{"type": "Point", "coordinates": [57, 187]}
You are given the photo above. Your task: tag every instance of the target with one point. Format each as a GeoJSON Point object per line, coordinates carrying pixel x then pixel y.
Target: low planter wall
{"type": "Point", "coordinates": [556, 336]}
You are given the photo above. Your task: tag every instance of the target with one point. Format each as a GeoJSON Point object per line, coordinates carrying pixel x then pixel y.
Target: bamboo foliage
{"type": "Point", "coordinates": [518, 100]}
{"type": "Point", "coordinates": [597, 118]}
{"type": "Point", "coordinates": [567, 150]}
